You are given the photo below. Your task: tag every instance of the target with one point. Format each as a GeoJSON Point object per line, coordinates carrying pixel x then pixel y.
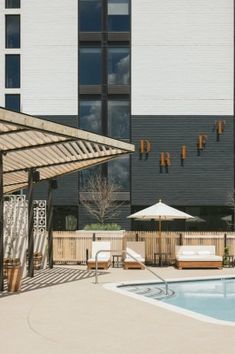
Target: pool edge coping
{"type": "Point", "coordinates": [117, 287]}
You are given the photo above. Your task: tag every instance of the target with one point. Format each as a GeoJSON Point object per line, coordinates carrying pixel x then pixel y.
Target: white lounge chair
{"type": "Point", "coordinates": [137, 250]}
{"type": "Point", "coordinates": [104, 258]}
{"type": "Point", "coordinates": [197, 257]}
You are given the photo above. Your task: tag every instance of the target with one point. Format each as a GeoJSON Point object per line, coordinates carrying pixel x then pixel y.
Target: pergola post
{"type": "Point", "coordinates": [1, 224]}
{"type": "Point", "coordinates": [30, 224]}
{"type": "Point", "coordinates": [51, 185]}
{"type": "Point", "coordinates": [33, 176]}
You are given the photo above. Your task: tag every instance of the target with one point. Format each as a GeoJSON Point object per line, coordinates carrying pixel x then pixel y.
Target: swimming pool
{"type": "Point", "coordinates": [210, 299]}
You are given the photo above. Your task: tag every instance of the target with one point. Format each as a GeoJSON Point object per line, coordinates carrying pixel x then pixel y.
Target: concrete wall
{"type": "Point", "coordinates": [182, 57]}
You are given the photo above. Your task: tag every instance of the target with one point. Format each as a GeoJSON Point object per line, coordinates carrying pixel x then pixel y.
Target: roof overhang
{"type": "Point", "coordinates": [52, 149]}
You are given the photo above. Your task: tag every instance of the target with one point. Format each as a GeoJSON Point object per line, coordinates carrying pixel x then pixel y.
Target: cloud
{"type": "Point", "coordinates": [92, 120]}
{"type": "Point", "coordinates": [121, 74]}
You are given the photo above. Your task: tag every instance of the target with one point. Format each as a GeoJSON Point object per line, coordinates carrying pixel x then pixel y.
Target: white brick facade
{"type": "Point", "coordinates": [182, 57]}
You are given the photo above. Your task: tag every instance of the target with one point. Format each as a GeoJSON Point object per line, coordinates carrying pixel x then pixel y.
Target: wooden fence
{"type": "Point", "coordinates": [73, 247]}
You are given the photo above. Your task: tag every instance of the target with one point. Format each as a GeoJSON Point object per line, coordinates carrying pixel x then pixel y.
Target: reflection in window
{"type": "Point", "coordinates": [90, 66]}
{"type": "Point", "coordinates": [90, 116]}
{"type": "Point", "coordinates": [86, 174]}
{"type": "Point", "coordinates": [90, 15]}
{"type": "Point", "coordinates": [12, 4]}
{"type": "Point", "coordinates": [118, 119]}
{"type": "Point", "coordinates": [118, 172]}
{"type": "Point", "coordinates": [12, 102]}
{"type": "Point", "coordinates": [65, 218]}
{"type": "Point", "coordinates": [12, 31]}
{"type": "Point", "coordinates": [118, 16]}
{"type": "Point", "coordinates": [118, 66]}
{"type": "Point", "coordinates": [12, 71]}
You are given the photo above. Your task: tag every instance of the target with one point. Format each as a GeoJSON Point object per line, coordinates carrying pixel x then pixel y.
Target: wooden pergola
{"type": "Point", "coordinates": [31, 146]}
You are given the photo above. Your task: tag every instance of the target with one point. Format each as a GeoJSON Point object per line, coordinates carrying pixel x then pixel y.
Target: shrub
{"type": "Point", "coordinates": [104, 227]}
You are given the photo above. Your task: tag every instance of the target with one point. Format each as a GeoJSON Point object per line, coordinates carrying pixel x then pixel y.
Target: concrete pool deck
{"type": "Point", "coordinates": [62, 311]}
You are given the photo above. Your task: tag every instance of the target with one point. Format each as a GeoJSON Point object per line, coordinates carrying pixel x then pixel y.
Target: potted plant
{"type": "Point", "coordinates": [12, 266]}
{"type": "Point", "coordinates": [37, 259]}
{"type": "Point", "coordinates": [226, 257]}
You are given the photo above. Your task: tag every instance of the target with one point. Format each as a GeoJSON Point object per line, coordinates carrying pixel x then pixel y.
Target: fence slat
{"type": "Point", "coordinates": [72, 246]}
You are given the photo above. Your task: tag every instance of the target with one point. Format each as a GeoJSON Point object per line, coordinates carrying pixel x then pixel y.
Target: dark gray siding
{"type": "Point", "coordinates": [203, 180]}
{"type": "Point", "coordinates": [71, 121]}
{"type": "Point", "coordinates": [67, 192]}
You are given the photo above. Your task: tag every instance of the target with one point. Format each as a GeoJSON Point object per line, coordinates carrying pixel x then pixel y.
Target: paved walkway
{"type": "Point", "coordinates": [62, 311]}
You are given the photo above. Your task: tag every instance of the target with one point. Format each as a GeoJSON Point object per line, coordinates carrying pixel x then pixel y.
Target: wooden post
{"type": "Point", "coordinates": [50, 224]}
{"type": "Point", "coordinates": [181, 240]}
{"type": "Point", "coordinates": [225, 240]}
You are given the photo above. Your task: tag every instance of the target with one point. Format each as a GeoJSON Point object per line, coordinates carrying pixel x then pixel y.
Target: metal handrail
{"type": "Point", "coordinates": [130, 255]}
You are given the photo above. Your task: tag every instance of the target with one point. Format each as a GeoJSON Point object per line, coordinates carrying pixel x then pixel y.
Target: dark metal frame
{"type": "Point", "coordinates": [52, 184]}
{"type": "Point", "coordinates": [106, 39]}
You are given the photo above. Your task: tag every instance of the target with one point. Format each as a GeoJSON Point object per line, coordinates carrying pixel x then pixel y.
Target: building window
{"type": "Point", "coordinates": [118, 172]}
{"type": "Point", "coordinates": [12, 71]}
{"type": "Point", "coordinates": [118, 16]}
{"type": "Point", "coordinates": [118, 119]}
{"type": "Point", "coordinates": [90, 66]}
{"type": "Point", "coordinates": [90, 15]}
{"type": "Point", "coordinates": [12, 102]}
{"type": "Point", "coordinates": [12, 31]}
{"type": "Point", "coordinates": [12, 4]}
{"type": "Point", "coordinates": [87, 174]}
{"type": "Point", "coordinates": [118, 66]}
{"type": "Point", "coordinates": [65, 218]}
{"type": "Point", "coordinates": [90, 116]}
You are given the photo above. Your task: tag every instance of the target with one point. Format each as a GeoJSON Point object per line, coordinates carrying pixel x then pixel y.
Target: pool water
{"type": "Point", "coordinates": [214, 298]}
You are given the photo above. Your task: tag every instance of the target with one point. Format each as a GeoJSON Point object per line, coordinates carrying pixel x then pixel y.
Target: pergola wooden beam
{"type": "Point", "coordinates": [28, 143]}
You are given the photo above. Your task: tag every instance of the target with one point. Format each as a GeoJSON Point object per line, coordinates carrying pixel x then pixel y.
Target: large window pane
{"type": "Point", "coordinates": [90, 116]}
{"type": "Point", "coordinates": [118, 66]}
{"type": "Point", "coordinates": [12, 102]}
{"type": "Point", "coordinates": [90, 66]}
{"type": "Point", "coordinates": [12, 4]}
{"type": "Point", "coordinates": [118, 172]}
{"type": "Point", "coordinates": [86, 174]}
{"type": "Point", "coordinates": [12, 31]}
{"type": "Point", "coordinates": [12, 71]}
{"type": "Point", "coordinates": [118, 16]}
{"type": "Point", "coordinates": [90, 15]}
{"type": "Point", "coordinates": [118, 119]}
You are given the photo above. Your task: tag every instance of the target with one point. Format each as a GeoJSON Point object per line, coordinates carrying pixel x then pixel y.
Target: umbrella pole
{"type": "Point", "coordinates": [160, 241]}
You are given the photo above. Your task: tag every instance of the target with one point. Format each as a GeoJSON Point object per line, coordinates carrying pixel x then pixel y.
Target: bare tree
{"type": "Point", "coordinates": [100, 199]}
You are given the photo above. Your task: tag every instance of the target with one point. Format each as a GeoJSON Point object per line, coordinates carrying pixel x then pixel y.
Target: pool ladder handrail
{"type": "Point", "coordinates": [130, 255]}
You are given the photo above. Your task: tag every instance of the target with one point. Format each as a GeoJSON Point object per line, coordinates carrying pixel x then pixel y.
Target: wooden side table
{"type": "Point", "coordinates": [117, 261]}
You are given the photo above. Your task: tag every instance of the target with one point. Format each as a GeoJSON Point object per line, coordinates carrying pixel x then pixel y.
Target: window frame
{"type": "Point", "coordinates": [6, 71]}
{"type": "Point", "coordinates": [6, 31]}
{"type": "Point", "coordinates": [98, 48]}
{"type": "Point", "coordinates": [12, 7]}
{"type": "Point", "coordinates": [11, 95]}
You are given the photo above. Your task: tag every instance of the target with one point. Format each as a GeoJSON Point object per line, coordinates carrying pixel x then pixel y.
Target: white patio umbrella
{"type": "Point", "coordinates": [160, 212]}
